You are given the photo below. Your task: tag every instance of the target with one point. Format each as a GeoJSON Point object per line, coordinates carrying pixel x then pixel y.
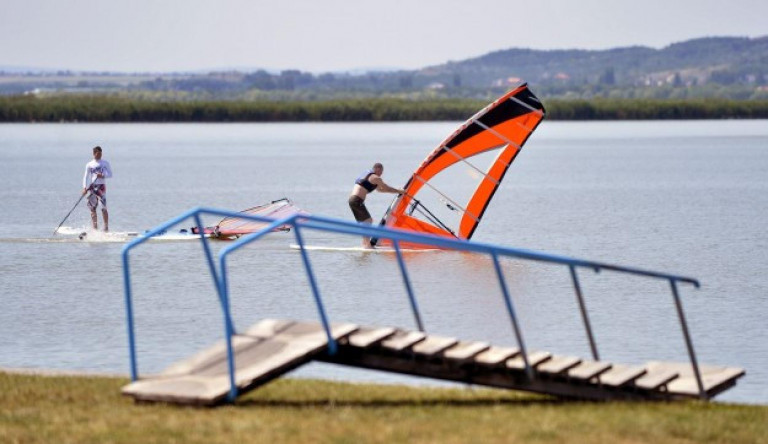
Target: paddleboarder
{"type": "Point", "coordinates": [96, 171]}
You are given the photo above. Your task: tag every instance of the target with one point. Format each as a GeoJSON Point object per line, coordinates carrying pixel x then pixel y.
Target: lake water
{"type": "Point", "coordinates": [689, 198]}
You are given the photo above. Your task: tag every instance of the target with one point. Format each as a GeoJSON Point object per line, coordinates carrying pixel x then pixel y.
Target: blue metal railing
{"type": "Point", "coordinates": [311, 222]}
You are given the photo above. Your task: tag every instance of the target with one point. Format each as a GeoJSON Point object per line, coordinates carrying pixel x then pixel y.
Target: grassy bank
{"type": "Point", "coordinates": [60, 108]}
{"type": "Point", "coordinates": [90, 409]}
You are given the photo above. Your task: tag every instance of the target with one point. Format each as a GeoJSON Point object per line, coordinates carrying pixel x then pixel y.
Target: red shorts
{"type": "Point", "coordinates": [98, 194]}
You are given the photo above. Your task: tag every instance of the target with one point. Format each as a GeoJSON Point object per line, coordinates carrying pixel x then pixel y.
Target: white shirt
{"type": "Point", "coordinates": [93, 168]}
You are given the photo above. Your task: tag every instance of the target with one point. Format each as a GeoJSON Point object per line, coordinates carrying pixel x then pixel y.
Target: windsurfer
{"type": "Point", "coordinates": [369, 181]}
{"type": "Point", "coordinates": [95, 172]}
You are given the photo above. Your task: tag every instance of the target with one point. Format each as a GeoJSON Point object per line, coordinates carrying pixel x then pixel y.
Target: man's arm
{"type": "Point", "coordinates": [106, 172]}
{"type": "Point", "coordinates": [383, 187]}
{"type": "Point", "coordinates": [86, 179]}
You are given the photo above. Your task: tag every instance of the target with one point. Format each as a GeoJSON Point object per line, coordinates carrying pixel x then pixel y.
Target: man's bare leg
{"type": "Point", "coordinates": [367, 240]}
{"type": "Point", "coordinates": [105, 214]}
{"type": "Point", "coordinates": [94, 220]}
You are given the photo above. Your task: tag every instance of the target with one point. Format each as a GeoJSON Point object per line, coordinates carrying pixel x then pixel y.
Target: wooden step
{"type": "Point", "coordinates": [557, 364]}
{"type": "Point", "coordinates": [367, 337]}
{"type": "Point", "coordinates": [495, 356]}
{"type": "Point", "coordinates": [534, 358]}
{"type": "Point", "coordinates": [620, 375]}
{"type": "Point", "coordinates": [465, 350]}
{"type": "Point", "coordinates": [587, 370]}
{"type": "Point", "coordinates": [653, 379]}
{"type": "Point", "coordinates": [402, 340]}
{"type": "Point", "coordinates": [433, 345]}
{"type": "Point", "coordinates": [714, 378]}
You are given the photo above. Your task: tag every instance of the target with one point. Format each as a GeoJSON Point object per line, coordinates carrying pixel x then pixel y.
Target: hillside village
{"type": "Point", "coordinates": [719, 67]}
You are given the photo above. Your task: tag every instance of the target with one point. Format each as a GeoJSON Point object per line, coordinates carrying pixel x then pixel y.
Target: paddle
{"type": "Point", "coordinates": [90, 188]}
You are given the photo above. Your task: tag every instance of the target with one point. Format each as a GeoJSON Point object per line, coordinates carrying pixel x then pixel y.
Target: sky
{"type": "Point", "coordinates": [342, 35]}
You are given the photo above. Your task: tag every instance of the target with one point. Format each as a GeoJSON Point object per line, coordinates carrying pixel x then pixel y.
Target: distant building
{"type": "Point", "coordinates": [509, 81]}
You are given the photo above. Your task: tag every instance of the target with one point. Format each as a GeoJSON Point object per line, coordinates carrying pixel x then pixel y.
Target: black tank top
{"type": "Point", "coordinates": [363, 181]}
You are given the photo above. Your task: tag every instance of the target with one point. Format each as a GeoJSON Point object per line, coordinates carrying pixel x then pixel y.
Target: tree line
{"type": "Point", "coordinates": [117, 109]}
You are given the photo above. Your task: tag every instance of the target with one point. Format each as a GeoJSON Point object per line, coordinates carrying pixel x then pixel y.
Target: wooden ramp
{"type": "Point", "coordinates": [272, 348]}
{"type": "Point", "coordinates": [267, 350]}
{"type": "Point", "coordinates": [480, 363]}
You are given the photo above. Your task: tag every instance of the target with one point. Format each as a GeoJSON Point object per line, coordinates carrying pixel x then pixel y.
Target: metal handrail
{"type": "Point", "coordinates": [313, 222]}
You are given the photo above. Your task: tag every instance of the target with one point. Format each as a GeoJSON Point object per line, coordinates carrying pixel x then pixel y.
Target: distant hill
{"type": "Point", "coordinates": [719, 60]}
{"type": "Point", "coordinates": [719, 67]}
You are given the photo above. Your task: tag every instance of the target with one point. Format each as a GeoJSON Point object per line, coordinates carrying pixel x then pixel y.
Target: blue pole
{"type": "Point", "coordinates": [228, 328]}
{"type": "Point", "coordinates": [129, 317]}
{"type": "Point", "coordinates": [332, 346]}
{"type": "Point", "coordinates": [511, 311]}
{"type": "Point", "coordinates": [584, 315]}
{"type": "Point", "coordinates": [407, 282]}
{"type": "Point", "coordinates": [209, 257]}
{"type": "Point", "coordinates": [688, 342]}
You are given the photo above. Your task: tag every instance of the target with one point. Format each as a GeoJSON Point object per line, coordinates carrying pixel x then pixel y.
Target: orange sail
{"type": "Point", "coordinates": [449, 192]}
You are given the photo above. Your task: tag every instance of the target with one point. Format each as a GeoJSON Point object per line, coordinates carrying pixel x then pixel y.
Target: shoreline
{"type": "Point", "coordinates": [34, 371]}
{"type": "Point", "coordinates": [48, 372]}
{"type": "Point", "coordinates": [96, 108]}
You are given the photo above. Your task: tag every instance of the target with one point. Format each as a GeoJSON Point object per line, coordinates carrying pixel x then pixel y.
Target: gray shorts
{"type": "Point", "coordinates": [357, 205]}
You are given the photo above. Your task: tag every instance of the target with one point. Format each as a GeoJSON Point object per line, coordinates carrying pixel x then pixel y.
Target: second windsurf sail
{"type": "Point", "coordinates": [233, 227]}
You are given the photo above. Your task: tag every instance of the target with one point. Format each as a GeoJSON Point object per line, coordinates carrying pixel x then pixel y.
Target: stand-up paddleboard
{"type": "Point", "coordinates": [229, 228]}
{"type": "Point", "coordinates": [360, 249]}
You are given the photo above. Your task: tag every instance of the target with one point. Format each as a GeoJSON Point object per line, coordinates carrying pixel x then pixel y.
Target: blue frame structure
{"type": "Point", "coordinates": [299, 223]}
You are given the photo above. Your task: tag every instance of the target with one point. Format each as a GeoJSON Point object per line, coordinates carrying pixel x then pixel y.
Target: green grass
{"type": "Point", "coordinates": [64, 409]}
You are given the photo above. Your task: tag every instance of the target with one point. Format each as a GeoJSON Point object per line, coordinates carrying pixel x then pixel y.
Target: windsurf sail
{"type": "Point", "coordinates": [449, 192]}
{"type": "Point", "coordinates": [232, 227]}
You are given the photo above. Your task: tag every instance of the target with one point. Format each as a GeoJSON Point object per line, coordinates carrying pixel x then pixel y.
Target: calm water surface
{"type": "Point", "coordinates": [685, 197]}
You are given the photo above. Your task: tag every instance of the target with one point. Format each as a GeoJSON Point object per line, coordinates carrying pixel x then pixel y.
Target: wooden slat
{"type": "Point", "coordinates": [402, 340]}
{"type": "Point", "coordinates": [534, 358]}
{"type": "Point", "coordinates": [558, 364]}
{"type": "Point", "coordinates": [620, 375]}
{"type": "Point", "coordinates": [495, 356]}
{"type": "Point", "coordinates": [654, 379]}
{"type": "Point", "coordinates": [587, 370]}
{"type": "Point", "coordinates": [464, 351]}
{"type": "Point", "coordinates": [257, 360]}
{"type": "Point", "coordinates": [366, 337]}
{"type": "Point", "coordinates": [713, 377]}
{"type": "Point", "coordinates": [433, 345]}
